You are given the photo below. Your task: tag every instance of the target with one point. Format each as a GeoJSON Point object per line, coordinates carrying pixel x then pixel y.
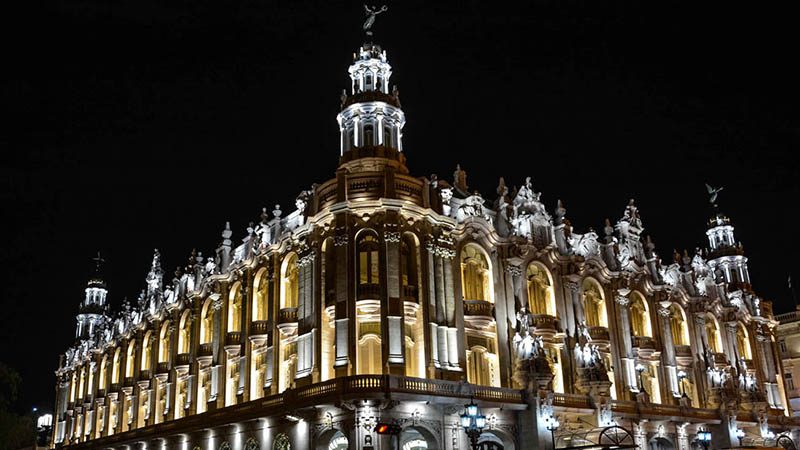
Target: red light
{"type": "Point", "coordinates": [382, 428]}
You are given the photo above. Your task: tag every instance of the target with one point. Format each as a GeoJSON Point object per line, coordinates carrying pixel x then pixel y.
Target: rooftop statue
{"type": "Point", "coordinates": [371, 12]}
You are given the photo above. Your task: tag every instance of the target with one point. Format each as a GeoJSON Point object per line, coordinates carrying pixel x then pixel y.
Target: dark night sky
{"type": "Point", "coordinates": [140, 124]}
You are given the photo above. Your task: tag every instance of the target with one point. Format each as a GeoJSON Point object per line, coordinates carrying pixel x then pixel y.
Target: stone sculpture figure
{"type": "Point", "coordinates": [371, 12]}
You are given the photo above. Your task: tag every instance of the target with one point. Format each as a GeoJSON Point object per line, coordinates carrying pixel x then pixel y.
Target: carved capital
{"type": "Point", "coordinates": [514, 271]}
{"type": "Point", "coordinates": [663, 312]}
{"type": "Point", "coordinates": [340, 240]}
{"type": "Point", "coordinates": [622, 300]}
{"type": "Point", "coordinates": [700, 320]}
{"type": "Point", "coordinates": [572, 286]}
{"type": "Point", "coordinates": [391, 236]}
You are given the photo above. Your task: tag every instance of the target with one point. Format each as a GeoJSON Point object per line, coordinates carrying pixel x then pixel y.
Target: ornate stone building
{"type": "Point", "coordinates": [388, 297]}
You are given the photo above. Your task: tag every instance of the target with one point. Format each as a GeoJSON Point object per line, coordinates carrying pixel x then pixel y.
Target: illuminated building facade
{"type": "Point", "coordinates": [385, 297]}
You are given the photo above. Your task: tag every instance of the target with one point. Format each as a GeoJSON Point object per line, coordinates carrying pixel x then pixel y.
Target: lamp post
{"type": "Point", "coordinates": [639, 369]}
{"type": "Point", "coordinates": [704, 438]}
{"type": "Point", "coordinates": [473, 422]}
{"type": "Point", "coordinates": [740, 435]}
{"type": "Point", "coordinates": [552, 426]}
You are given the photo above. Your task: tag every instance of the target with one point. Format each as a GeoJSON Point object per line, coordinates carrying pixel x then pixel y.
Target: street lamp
{"type": "Point", "coordinates": [740, 435]}
{"type": "Point", "coordinates": [473, 422]}
{"type": "Point", "coordinates": [639, 369]}
{"type": "Point", "coordinates": [552, 426]}
{"type": "Point", "coordinates": [704, 437]}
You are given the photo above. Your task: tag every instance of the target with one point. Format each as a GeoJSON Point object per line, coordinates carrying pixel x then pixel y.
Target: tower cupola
{"type": "Point", "coordinates": [94, 305]}
{"type": "Point", "coordinates": [371, 121]}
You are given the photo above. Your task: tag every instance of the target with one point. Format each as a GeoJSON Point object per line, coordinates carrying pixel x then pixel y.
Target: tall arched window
{"type": "Point", "coordinates": [713, 335]}
{"type": "Point", "coordinates": [147, 351]}
{"type": "Point", "coordinates": [541, 299]}
{"type": "Point", "coordinates": [290, 286]}
{"type": "Point", "coordinates": [102, 375]}
{"type": "Point", "coordinates": [73, 387]}
{"type": "Point", "coordinates": [115, 369]}
{"type": "Point", "coordinates": [164, 343]}
{"type": "Point", "coordinates": [640, 316]}
{"type": "Point", "coordinates": [476, 277]}
{"type": "Point", "coordinates": [260, 295]}
{"type": "Point", "coordinates": [678, 326]}
{"type": "Point", "coordinates": [207, 323]}
{"type": "Point", "coordinates": [594, 304]}
{"type": "Point", "coordinates": [743, 342]}
{"type": "Point", "coordinates": [82, 382]}
{"type": "Point", "coordinates": [235, 308]}
{"type": "Point", "coordinates": [408, 261]}
{"type": "Point", "coordinates": [368, 260]}
{"type": "Point", "coordinates": [185, 333]}
{"type": "Point", "coordinates": [130, 359]}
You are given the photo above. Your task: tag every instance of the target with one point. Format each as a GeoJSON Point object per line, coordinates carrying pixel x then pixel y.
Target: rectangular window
{"type": "Point", "coordinates": [789, 381]}
{"type": "Point", "coordinates": [782, 344]}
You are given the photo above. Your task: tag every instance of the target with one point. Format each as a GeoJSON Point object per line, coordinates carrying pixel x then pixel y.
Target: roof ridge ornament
{"type": "Point", "coordinates": [371, 12]}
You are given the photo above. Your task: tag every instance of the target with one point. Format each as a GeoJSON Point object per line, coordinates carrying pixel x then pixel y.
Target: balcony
{"type": "Point", "coordinates": [478, 313]}
{"type": "Point", "coordinates": [205, 353]}
{"type": "Point", "coordinates": [683, 355]}
{"type": "Point", "coordinates": [720, 359]}
{"type": "Point", "coordinates": [233, 342]}
{"type": "Point", "coordinates": [410, 294]}
{"type": "Point", "coordinates": [645, 346]}
{"type": "Point", "coordinates": [259, 331]}
{"type": "Point", "coordinates": [101, 393]}
{"type": "Point", "coordinates": [128, 382]}
{"type": "Point", "coordinates": [545, 325]}
{"type": "Point", "coordinates": [287, 321]}
{"type": "Point", "coordinates": [600, 337]}
{"type": "Point", "coordinates": [182, 363]}
{"type": "Point", "coordinates": [162, 368]}
{"type": "Point", "coordinates": [114, 388]}
{"type": "Point", "coordinates": [369, 291]}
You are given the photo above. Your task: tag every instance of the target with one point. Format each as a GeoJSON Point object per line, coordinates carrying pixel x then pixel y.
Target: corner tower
{"type": "Point", "coordinates": [726, 256]}
{"type": "Point", "coordinates": [94, 306]}
{"type": "Point", "coordinates": [371, 121]}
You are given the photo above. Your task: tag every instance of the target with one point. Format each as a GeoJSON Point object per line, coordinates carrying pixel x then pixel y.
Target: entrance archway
{"type": "Point", "coordinates": [417, 438]}
{"type": "Point", "coordinates": [660, 443]}
{"type": "Point", "coordinates": [489, 441]}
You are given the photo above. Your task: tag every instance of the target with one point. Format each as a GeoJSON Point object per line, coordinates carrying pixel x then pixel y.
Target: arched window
{"type": "Point", "coordinates": [678, 326]}
{"type": "Point", "coordinates": [290, 286]}
{"type": "Point", "coordinates": [260, 295]}
{"type": "Point", "coordinates": [476, 277]}
{"type": "Point", "coordinates": [640, 316]}
{"type": "Point", "coordinates": [594, 304]}
{"type": "Point", "coordinates": [743, 342]}
{"type": "Point", "coordinates": [82, 382]}
{"type": "Point", "coordinates": [541, 299]}
{"type": "Point", "coordinates": [482, 366]}
{"type": "Point", "coordinates": [130, 359]}
{"type": "Point", "coordinates": [207, 323]}
{"type": "Point", "coordinates": [235, 308]}
{"type": "Point", "coordinates": [369, 135]}
{"type": "Point", "coordinates": [713, 334]}
{"type": "Point", "coordinates": [387, 136]}
{"type": "Point", "coordinates": [408, 261]}
{"type": "Point", "coordinates": [73, 387]}
{"type": "Point", "coordinates": [338, 442]}
{"type": "Point", "coordinates": [369, 354]}
{"type": "Point", "coordinates": [102, 376]}
{"type": "Point", "coordinates": [115, 369]}
{"type": "Point", "coordinates": [185, 333]}
{"type": "Point", "coordinates": [164, 343]}
{"type": "Point", "coordinates": [147, 351]}
{"type": "Point", "coordinates": [368, 260]}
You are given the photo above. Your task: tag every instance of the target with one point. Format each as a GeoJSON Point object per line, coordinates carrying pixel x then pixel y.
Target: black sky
{"type": "Point", "coordinates": [143, 124]}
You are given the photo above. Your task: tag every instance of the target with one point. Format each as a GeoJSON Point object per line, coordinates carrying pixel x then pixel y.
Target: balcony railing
{"type": "Point", "coordinates": [206, 349]}
{"type": "Point", "coordinates": [145, 374]}
{"type": "Point", "coordinates": [545, 322]}
{"type": "Point", "coordinates": [599, 334]}
{"type": "Point", "coordinates": [369, 291]}
{"type": "Point", "coordinates": [259, 328]}
{"type": "Point", "coordinates": [183, 359]}
{"type": "Point", "coordinates": [644, 342]}
{"type": "Point", "coordinates": [233, 338]}
{"type": "Point", "coordinates": [410, 293]}
{"type": "Point", "coordinates": [478, 308]}
{"type": "Point", "coordinates": [128, 381]}
{"type": "Point", "coordinates": [287, 315]}
{"type": "Point", "coordinates": [720, 358]}
{"type": "Point", "coordinates": [162, 367]}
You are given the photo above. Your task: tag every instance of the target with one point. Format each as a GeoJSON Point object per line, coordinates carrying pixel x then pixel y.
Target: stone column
{"type": "Point", "coordinates": [668, 347]}
{"type": "Point", "coordinates": [626, 352]}
{"type": "Point", "coordinates": [393, 335]}
{"type": "Point", "coordinates": [345, 305]}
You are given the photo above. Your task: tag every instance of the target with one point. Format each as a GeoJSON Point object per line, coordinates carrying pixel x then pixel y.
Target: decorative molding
{"type": "Point", "coordinates": [391, 236]}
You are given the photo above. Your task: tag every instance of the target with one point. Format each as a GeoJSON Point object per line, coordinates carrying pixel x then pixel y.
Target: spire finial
{"type": "Point", "coordinates": [98, 261]}
{"type": "Point", "coordinates": [371, 12]}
